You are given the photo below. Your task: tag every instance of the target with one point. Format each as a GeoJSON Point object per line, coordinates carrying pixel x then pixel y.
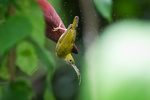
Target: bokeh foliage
{"type": "Point", "coordinates": [117, 63]}
{"type": "Point", "coordinates": [22, 28]}
{"type": "Point", "coordinates": [20, 90]}
{"type": "Point", "coordinates": [114, 67]}
{"type": "Point", "coordinates": [105, 8]}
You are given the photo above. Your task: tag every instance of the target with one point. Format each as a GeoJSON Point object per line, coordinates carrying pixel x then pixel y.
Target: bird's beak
{"type": "Point", "coordinates": [52, 21]}
{"type": "Point", "coordinates": [77, 71]}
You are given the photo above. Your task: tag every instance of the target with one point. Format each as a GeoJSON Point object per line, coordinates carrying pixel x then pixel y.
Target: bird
{"type": "Point", "coordinates": [65, 44]}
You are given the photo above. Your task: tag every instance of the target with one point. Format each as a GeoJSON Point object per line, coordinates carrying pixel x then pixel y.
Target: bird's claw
{"type": "Point", "coordinates": [59, 28]}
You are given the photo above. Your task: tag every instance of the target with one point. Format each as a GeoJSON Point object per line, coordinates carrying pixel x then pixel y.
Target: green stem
{"type": "Point", "coordinates": [11, 64]}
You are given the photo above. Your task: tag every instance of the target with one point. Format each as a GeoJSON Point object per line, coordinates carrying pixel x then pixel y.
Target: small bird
{"type": "Point", "coordinates": [65, 45]}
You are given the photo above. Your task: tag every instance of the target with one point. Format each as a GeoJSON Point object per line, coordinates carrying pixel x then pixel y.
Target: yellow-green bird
{"type": "Point", "coordinates": [65, 45]}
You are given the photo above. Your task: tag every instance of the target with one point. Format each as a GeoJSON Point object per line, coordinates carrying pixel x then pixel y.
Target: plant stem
{"type": "Point", "coordinates": [11, 64]}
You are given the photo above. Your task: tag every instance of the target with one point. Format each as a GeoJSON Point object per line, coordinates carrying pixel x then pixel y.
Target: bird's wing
{"type": "Point", "coordinates": [65, 43]}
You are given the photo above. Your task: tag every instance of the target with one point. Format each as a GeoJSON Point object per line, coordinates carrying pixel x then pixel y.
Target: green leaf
{"type": "Point", "coordinates": [48, 93]}
{"type": "Point", "coordinates": [47, 60]}
{"type": "Point", "coordinates": [26, 58]}
{"type": "Point", "coordinates": [117, 63]}
{"type": "Point", "coordinates": [34, 13]}
{"type": "Point", "coordinates": [14, 30]}
{"type": "Point", "coordinates": [19, 90]}
{"type": "Point", "coordinates": [4, 74]}
{"type": "Point", "coordinates": [104, 7]}
{"type": "Point", "coordinates": [43, 54]}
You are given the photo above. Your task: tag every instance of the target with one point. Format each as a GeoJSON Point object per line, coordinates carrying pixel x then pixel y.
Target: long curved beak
{"type": "Point", "coordinates": [77, 71]}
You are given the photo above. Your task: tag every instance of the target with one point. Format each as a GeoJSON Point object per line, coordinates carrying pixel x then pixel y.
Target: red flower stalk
{"type": "Point", "coordinates": [52, 21]}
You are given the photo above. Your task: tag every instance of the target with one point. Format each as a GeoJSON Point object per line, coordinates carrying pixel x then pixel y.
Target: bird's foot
{"type": "Point", "coordinates": [59, 28]}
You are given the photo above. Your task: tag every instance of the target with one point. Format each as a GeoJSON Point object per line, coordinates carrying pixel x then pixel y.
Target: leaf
{"type": "Point", "coordinates": [19, 90]}
{"type": "Point", "coordinates": [47, 60]}
{"type": "Point", "coordinates": [34, 13]}
{"type": "Point", "coordinates": [43, 54]}
{"type": "Point", "coordinates": [4, 74]}
{"type": "Point", "coordinates": [117, 63]}
{"type": "Point", "coordinates": [48, 93]}
{"type": "Point", "coordinates": [26, 58]}
{"type": "Point", "coordinates": [14, 30]}
{"type": "Point", "coordinates": [104, 7]}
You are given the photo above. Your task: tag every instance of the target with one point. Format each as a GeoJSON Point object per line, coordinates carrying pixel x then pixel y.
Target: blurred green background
{"type": "Point", "coordinates": [113, 40]}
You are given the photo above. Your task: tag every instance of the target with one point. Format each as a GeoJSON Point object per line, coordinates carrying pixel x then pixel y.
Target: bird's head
{"type": "Point", "coordinates": [69, 59]}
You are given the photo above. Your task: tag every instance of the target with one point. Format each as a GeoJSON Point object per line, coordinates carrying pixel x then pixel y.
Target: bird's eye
{"type": "Point", "coordinates": [70, 60]}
